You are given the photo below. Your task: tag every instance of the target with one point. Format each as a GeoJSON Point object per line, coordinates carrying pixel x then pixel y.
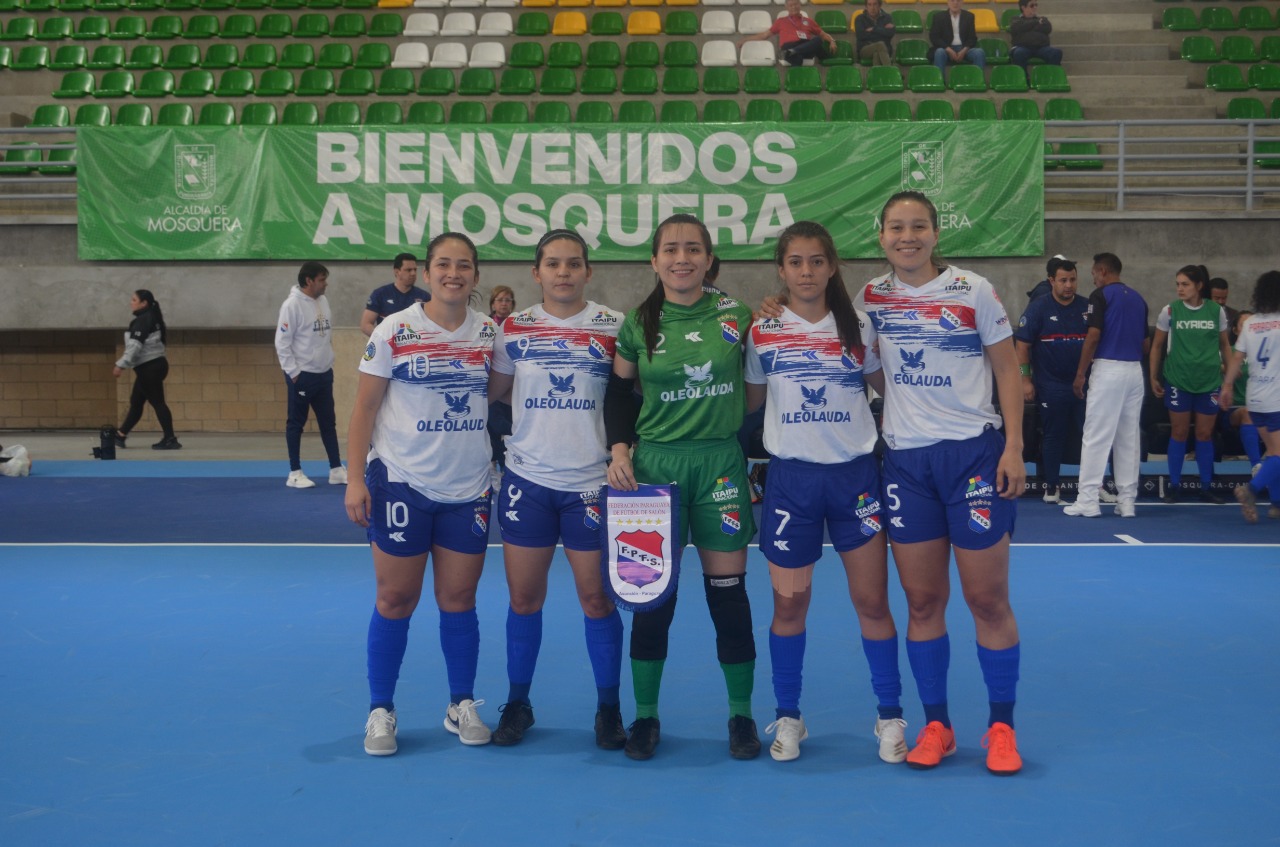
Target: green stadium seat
{"type": "Point", "coordinates": [22, 160]}
{"type": "Point", "coordinates": [275, 25]}
{"type": "Point", "coordinates": [978, 110]}
{"type": "Point", "coordinates": [641, 54]}
{"type": "Point", "coordinates": [604, 54]}
{"type": "Point", "coordinates": [38, 5]}
{"type": "Point", "coordinates": [348, 25]}
{"type": "Point", "coordinates": [358, 82]}
{"type": "Point", "coordinates": [6, 56]}
{"type": "Point", "coordinates": [1267, 147]}
{"type": "Point", "coordinates": [996, 50]}
{"type": "Point", "coordinates": [761, 80]}
{"type": "Point", "coordinates": [133, 114]}
{"type": "Point", "coordinates": [833, 22]}
{"type": "Point", "coordinates": [926, 79]}
{"type": "Point", "coordinates": [1076, 155]}
{"type": "Point", "coordinates": [1050, 163]}
{"type": "Point", "coordinates": [145, 5]}
{"type": "Point", "coordinates": [1200, 48]}
{"type": "Point", "coordinates": [341, 113]}
{"type": "Point", "coordinates": [275, 82]}
{"type": "Point", "coordinates": [1007, 18]}
{"type": "Point", "coordinates": [720, 80]}
{"type": "Point", "coordinates": [763, 109]}
{"type": "Point", "coordinates": [594, 112]}
{"type": "Point", "coordinates": [180, 5]}
{"type": "Point", "coordinates": [259, 114]}
{"type": "Point", "coordinates": [19, 29]}
{"type": "Point", "coordinates": [386, 25]}
{"type": "Point", "coordinates": [176, 114]}
{"type": "Point", "coordinates": [557, 82]}
{"type": "Point", "coordinates": [806, 111]}
{"type": "Point", "coordinates": [844, 79]}
{"type": "Point", "coordinates": [114, 84]}
{"type": "Point", "coordinates": [92, 28]}
{"type": "Point", "coordinates": [1020, 109]}
{"type": "Point", "coordinates": [564, 54]}
{"type": "Point", "coordinates": [155, 83]}
{"type": "Point", "coordinates": [1240, 48]}
{"type": "Point", "coordinates": [385, 114]}
{"type": "Point", "coordinates": [55, 29]}
{"type": "Point", "coordinates": [217, 114]}
{"type": "Point", "coordinates": [323, 4]}
{"type": "Point", "coordinates": [842, 56]}
{"type": "Point", "coordinates": [849, 111]}
{"type": "Point", "coordinates": [721, 111]}
{"type": "Point", "coordinates": [396, 82]}
{"type": "Point", "coordinates": [93, 114]}
{"type": "Point", "coordinates": [182, 57]}
{"type": "Point", "coordinates": [680, 23]}
{"type": "Point", "coordinates": [517, 82]}
{"type": "Point", "coordinates": [533, 25]}
{"type": "Point", "coordinates": [128, 28]}
{"type": "Point", "coordinates": [298, 56]}
{"type": "Point", "coordinates": [527, 54]}
{"type": "Point", "coordinates": [1269, 47]}
{"type": "Point", "coordinates": [220, 57]}
{"type": "Point", "coordinates": [233, 4]}
{"type": "Point", "coordinates": [1217, 19]}
{"type": "Point", "coordinates": [678, 112]}
{"type": "Point", "coordinates": [935, 110]}
{"type": "Point", "coordinates": [510, 112]}
{"type": "Point", "coordinates": [600, 82]}
{"type": "Point", "coordinates": [680, 81]}
{"type": "Point", "coordinates": [201, 26]}
{"type": "Point", "coordinates": [315, 82]}
{"type": "Point", "coordinates": [234, 83]}
{"type": "Point", "coordinates": [335, 55]}
{"type": "Point", "coordinates": [165, 28]}
{"type": "Point", "coordinates": [1255, 19]}
{"type": "Point", "coordinates": [802, 80]}
{"type": "Point", "coordinates": [74, 5]}
{"type": "Point", "coordinates": [606, 24]}
{"type": "Point", "coordinates": [639, 82]}
{"type": "Point", "coordinates": [75, 84]}
{"type": "Point", "coordinates": [552, 112]}
{"type": "Point", "coordinates": [301, 114]}
{"type": "Point", "coordinates": [912, 51]}
{"type": "Point", "coordinates": [637, 112]}
{"type": "Point", "coordinates": [966, 79]}
{"type": "Point", "coordinates": [1275, 109]}
{"type": "Point", "coordinates": [1225, 78]}
{"type": "Point", "coordinates": [680, 54]}
{"type": "Point", "coordinates": [311, 25]}
{"type": "Point", "coordinates": [885, 79]}
{"type": "Point", "coordinates": [51, 115]}
{"type": "Point", "coordinates": [360, 4]}
{"type": "Point", "coordinates": [240, 26]}
{"type": "Point", "coordinates": [436, 82]}
{"type": "Point", "coordinates": [427, 113]}
{"type": "Point", "coordinates": [1008, 79]}
{"type": "Point", "coordinates": [468, 113]}
{"type": "Point", "coordinates": [1264, 77]}
{"type": "Point", "coordinates": [61, 161]}
{"type": "Point", "coordinates": [145, 57]}
{"type": "Point", "coordinates": [1179, 19]}
{"type": "Point", "coordinates": [1246, 109]}
{"type": "Point", "coordinates": [891, 111]}
{"type": "Point", "coordinates": [258, 56]}
{"type": "Point", "coordinates": [33, 57]}
{"type": "Point", "coordinates": [1063, 109]}
{"type": "Point", "coordinates": [907, 21]}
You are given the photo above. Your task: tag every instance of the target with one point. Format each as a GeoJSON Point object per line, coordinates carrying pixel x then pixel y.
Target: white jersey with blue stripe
{"type": "Point", "coordinates": [430, 429]}
{"type": "Point", "coordinates": [938, 382]}
{"type": "Point", "coordinates": [817, 406]}
{"type": "Point", "coordinates": [1259, 341]}
{"type": "Point", "coordinates": [561, 368]}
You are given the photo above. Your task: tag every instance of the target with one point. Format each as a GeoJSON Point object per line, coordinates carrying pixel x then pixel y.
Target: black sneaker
{"type": "Point", "coordinates": [1171, 495]}
{"type": "Point", "coordinates": [170, 443]}
{"type": "Point", "coordinates": [516, 718]}
{"type": "Point", "coordinates": [609, 732]}
{"type": "Point", "coordinates": [1207, 496]}
{"type": "Point", "coordinates": [744, 742]}
{"type": "Point", "coordinates": [120, 439]}
{"type": "Point", "coordinates": [645, 734]}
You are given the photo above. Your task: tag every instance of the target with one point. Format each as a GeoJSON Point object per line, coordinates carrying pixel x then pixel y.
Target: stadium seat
{"type": "Point", "coordinates": [449, 54]}
{"type": "Point", "coordinates": [155, 83]}
{"type": "Point", "coordinates": [19, 29]}
{"type": "Point", "coordinates": [219, 57]}
{"type": "Point", "coordinates": [352, 25]}
{"type": "Point", "coordinates": [167, 28]}
{"type": "Point", "coordinates": [93, 114]}
{"type": "Point", "coordinates": [510, 112]}
{"type": "Point", "coordinates": [885, 79]}
{"type": "Point", "coordinates": [176, 114]}
{"type": "Point", "coordinates": [517, 82]}
{"type": "Point", "coordinates": [468, 113]}
{"type": "Point", "coordinates": [55, 29]}
{"type": "Point", "coordinates": [1246, 109]}
{"type": "Point", "coordinates": [844, 79]}
{"type": "Point", "coordinates": [564, 54]}
{"type": "Point", "coordinates": [411, 55]}
{"type": "Point", "coordinates": [1200, 48]}
{"type": "Point", "coordinates": [1264, 77]}
{"type": "Point", "coordinates": [374, 55]}
{"type": "Point", "coordinates": [425, 113]}
{"type": "Point", "coordinates": [1020, 109]}
{"type": "Point", "coordinates": [311, 25]}
{"type": "Point", "coordinates": [721, 111]}
{"type": "Point", "coordinates": [722, 81]}
{"type": "Point", "coordinates": [984, 21]}
{"type": "Point", "coordinates": [234, 83]}
{"type": "Point", "coordinates": [641, 54]}
{"type": "Point", "coordinates": [436, 82]}
{"type": "Point", "coordinates": [935, 110]}
{"type": "Point", "coordinates": [527, 54]}
{"type": "Point", "coordinates": [298, 56]}
{"type": "Point", "coordinates": [1076, 155]}
{"type": "Point", "coordinates": [719, 53]}
{"type": "Point", "coordinates": [557, 82]}
{"type": "Point", "coordinates": [1217, 19]}
{"type": "Point", "coordinates": [422, 25]}
{"type": "Point", "coordinates": [128, 28]}
{"type": "Point", "coordinates": [477, 82]}
{"type": "Point", "coordinates": [718, 23]}
{"type": "Point", "coordinates": [912, 51]}
{"type": "Point", "coordinates": [239, 26]}
{"type": "Point", "coordinates": [386, 25]}
{"type": "Point", "coordinates": [978, 110]}
{"type": "Point", "coordinates": [21, 160]}
{"type": "Point", "coordinates": [680, 54]}
{"type": "Point", "coordinates": [552, 112]}
{"type": "Point", "coordinates": [495, 25]}
{"type": "Point", "coordinates": [1179, 19]}
{"type": "Point", "coordinates": [217, 114]}
{"type": "Point", "coordinates": [75, 84]}
{"type": "Point", "coordinates": [763, 109]}
{"type": "Point", "coordinates": [760, 80]}
{"type": "Point", "coordinates": [927, 79]}
{"type": "Point", "coordinates": [639, 82]}
{"type": "Point", "coordinates": [907, 21]}
{"type": "Point", "coordinates": [569, 24]}
{"type": "Point", "coordinates": [6, 56]}
{"type": "Point", "coordinates": [995, 49]}
{"type": "Point", "coordinates": [753, 21]}
{"type": "Point", "coordinates": [341, 113]}
{"type": "Point", "coordinates": [335, 55]}
{"type": "Point", "coordinates": [849, 111]}
{"type": "Point", "coordinates": [114, 84]}
{"type": "Point", "coordinates": [758, 54]}
{"type": "Point", "coordinates": [1226, 78]}
{"type": "Point", "coordinates": [300, 114]}
{"type": "Point", "coordinates": [637, 112]}
{"type": "Point", "coordinates": [1240, 48]}
{"type": "Point", "coordinates": [144, 57]}
{"type": "Point", "coordinates": [533, 25]}
{"type": "Point", "coordinates": [315, 82]}
{"type": "Point", "coordinates": [967, 79]}
{"type": "Point", "coordinates": [833, 22]}
{"type": "Point", "coordinates": [258, 56]}
{"type": "Point", "coordinates": [680, 81]}
{"type": "Point", "coordinates": [182, 57]}
{"type": "Point", "coordinates": [593, 112]}
{"type": "Point", "coordinates": [678, 112]}
{"type": "Point", "coordinates": [275, 25]}
{"type": "Point", "coordinates": [458, 25]}
{"type": "Point", "coordinates": [51, 115]}
{"type": "Point", "coordinates": [384, 114]}
{"type": "Point", "coordinates": [1007, 19]}
{"type": "Point", "coordinates": [1269, 47]}
{"type": "Point", "coordinates": [33, 57]}
{"type": "Point", "coordinates": [643, 23]}
{"type": "Point", "coordinates": [92, 28]}
{"type": "Point", "coordinates": [1267, 147]}
{"type": "Point", "coordinates": [842, 56]}
{"type": "Point", "coordinates": [802, 80]}
{"type": "Point", "coordinates": [1063, 109]}
{"type": "Point", "coordinates": [599, 82]}
{"type": "Point", "coordinates": [606, 24]}
{"type": "Point", "coordinates": [1255, 19]}
{"type": "Point", "coordinates": [604, 54]}
{"type": "Point", "coordinates": [259, 114]}
{"type": "Point", "coordinates": [275, 82]}
{"type": "Point", "coordinates": [806, 111]}
{"type": "Point", "coordinates": [1008, 79]}
{"type": "Point", "coordinates": [680, 23]}
{"type": "Point", "coordinates": [895, 111]}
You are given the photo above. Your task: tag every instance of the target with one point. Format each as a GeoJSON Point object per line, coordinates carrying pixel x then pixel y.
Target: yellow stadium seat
{"type": "Point", "coordinates": [826, 2]}
{"type": "Point", "coordinates": [695, 2]}
{"type": "Point", "coordinates": [984, 21]}
{"type": "Point", "coordinates": [395, 4]}
{"type": "Point", "coordinates": [646, 2]}
{"type": "Point", "coordinates": [898, 1]}
{"type": "Point", "coordinates": [608, 3]}
{"type": "Point", "coordinates": [644, 23]}
{"type": "Point", "coordinates": [575, 3]}
{"type": "Point", "coordinates": [569, 23]}
{"type": "Point", "coordinates": [537, 3]}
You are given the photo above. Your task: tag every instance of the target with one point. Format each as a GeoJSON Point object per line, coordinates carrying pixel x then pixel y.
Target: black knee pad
{"type": "Point", "coordinates": [649, 632]}
{"type": "Point", "coordinates": [731, 614]}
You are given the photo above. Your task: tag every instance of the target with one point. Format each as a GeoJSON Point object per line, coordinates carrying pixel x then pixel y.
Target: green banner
{"type": "Point", "coordinates": [206, 193]}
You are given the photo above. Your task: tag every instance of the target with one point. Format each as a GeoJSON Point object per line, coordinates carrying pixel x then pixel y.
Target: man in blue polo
{"type": "Point", "coordinates": [1114, 346]}
{"type": "Point", "coordinates": [395, 296]}
{"type": "Point", "coordinates": [1049, 341]}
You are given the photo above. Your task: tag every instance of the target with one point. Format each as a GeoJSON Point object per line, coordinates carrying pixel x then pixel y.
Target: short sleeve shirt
{"type": "Point", "coordinates": [1056, 335]}
{"type": "Point", "coordinates": [790, 29]}
{"type": "Point", "coordinates": [1120, 314]}
{"type": "Point", "coordinates": [387, 300]}
{"type": "Point", "coordinates": [1260, 344]}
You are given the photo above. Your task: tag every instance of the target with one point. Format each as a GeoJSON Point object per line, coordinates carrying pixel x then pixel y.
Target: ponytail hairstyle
{"type": "Point", "coordinates": [153, 306]}
{"type": "Point", "coordinates": [650, 311]}
{"type": "Point", "coordinates": [837, 297]}
{"type": "Point", "coordinates": [935, 258]}
{"type": "Point", "coordinates": [561, 235]}
{"type": "Point", "coordinates": [475, 256]}
{"type": "Point", "coordinates": [1266, 294]}
{"type": "Point", "coordinates": [1199, 276]}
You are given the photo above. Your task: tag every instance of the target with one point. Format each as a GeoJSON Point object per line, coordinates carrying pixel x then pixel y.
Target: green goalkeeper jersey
{"type": "Point", "coordinates": [692, 385]}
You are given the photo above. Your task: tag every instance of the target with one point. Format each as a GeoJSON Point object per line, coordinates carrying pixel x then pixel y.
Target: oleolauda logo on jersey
{"type": "Point", "coordinates": [912, 371]}
{"type": "Point", "coordinates": [195, 179]}
{"type": "Point", "coordinates": [560, 395]}
{"type": "Point", "coordinates": [457, 417]}
{"type": "Point", "coordinates": [814, 409]}
{"type": "Point", "coordinates": [699, 382]}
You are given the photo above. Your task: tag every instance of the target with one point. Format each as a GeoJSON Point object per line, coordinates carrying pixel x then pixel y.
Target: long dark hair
{"type": "Point", "coordinates": [560, 235]}
{"type": "Point", "coordinates": [1266, 293]}
{"type": "Point", "coordinates": [475, 256]}
{"type": "Point", "coordinates": [1199, 276]}
{"type": "Point", "coordinates": [650, 311]}
{"type": "Point", "coordinates": [837, 298]}
{"type": "Point", "coordinates": [153, 306]}
{"type": "Point", "coordinates": [935, 258]}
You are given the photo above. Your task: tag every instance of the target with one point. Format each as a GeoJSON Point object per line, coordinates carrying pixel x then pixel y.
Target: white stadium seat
{"type": "Point", "coordinates": [488, 54]}
{"type": "Point", "coordinates": [719, 53]}
{"type": "Point", "coordinates": [458, 25]}
{"type": "Point", "coordinates": [757, 54]}
{"type": "Point", "coordinates": [421, 24]}
{"type": "Point", "coordinates": [495, 24]}
{"type": "Point", "coordinates": [411, 54]}
{"type": "Point", "coordinates": [718, 23]}
{"type": "Point", "coordinates": [754, 21]}
{"type": "Point", "coordinates": [450, 54]}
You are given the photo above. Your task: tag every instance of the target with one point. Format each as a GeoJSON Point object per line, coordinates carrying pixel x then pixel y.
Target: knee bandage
{"type": "Point", "coordinates": [649, 632]}
{"type": "Point", "coordinates": [731, 614]}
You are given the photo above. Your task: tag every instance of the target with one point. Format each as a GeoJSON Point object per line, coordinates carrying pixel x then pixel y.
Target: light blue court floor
{"type": "Point", "coordinates": [215, 695]}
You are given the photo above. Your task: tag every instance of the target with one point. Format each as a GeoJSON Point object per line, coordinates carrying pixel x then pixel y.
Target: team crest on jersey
{"type": "Point", "coordinates": [640, 560]}
{"type": "Point", "coordinates": [591, 517]}
{"type": "Point", "coordinates": [911, 372]}
{"type": "Point", "coordinates": [814, 398]}
{"type": "Point", "coordinates": [978, 488]}
{"type": "Point", "coordinates": [480, 526]}
{"type": "Point", "coordinates": [912, 363]}
{"type": "Point", "coordinates": [459, 405]}
{"type": "Point", "coordinates": [851, 359]}
{"type": "Point", "coordinates": [729, 331]}
{"type": "Point", "coordinates": [698, 375]}
{"type": "Point", "coordinates": [724, 490]}
{"type": "Point", "coordinates": [370, 351]}
{"type": "Point", "coordinates": [597, 349]}
{"type": "Point", "coordinates": [561, 386]}
{"type": "Point", "coordinates": [726, 303]}
{"type": "Point", "coordinates": [948, 319]}
{"type": "Point", "coordinates": [729, 523]}
{"type": "Point", "coordinates": [867, 505]}
{"type": "Point", "coordinates": [979, 520]}
{"type": "Point", "coordinates": [870, 526]}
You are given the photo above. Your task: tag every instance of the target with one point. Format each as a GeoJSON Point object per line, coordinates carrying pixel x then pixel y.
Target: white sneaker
{"type": "Point", "coordinates": [297, 479]}
{"type": "Point", "coordinates": [892, 733]}
{"type": "Point", "coordinates": [380, 733]}
{"type": "Point", "coordinates": [1126, 510]}
{"type": "Point", "coordinates": [1082, 510]}
{"type": "Point", "coordinates": [1105, 496]}
{"type": "Point", "coordinates": [786, 743]}
{"type": "Point", "coordinates": [461, 719]}
{"type": "Point", "coordinates": [338, 475]}
{"type": "Point", "coordinates": [1051, 494]}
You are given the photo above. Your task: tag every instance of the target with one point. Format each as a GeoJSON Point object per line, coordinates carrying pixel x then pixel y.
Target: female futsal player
{"type": "Point", "coordinates": [1258, 345]}
{"type": "Point", "coordinates": [951, 479]}
{"type": "Point", "coordinates": [820, 431]}
{"type": "Point", "coordinates": [557, 356]}
{"type": "Point", "coordinates": [1193, 330]}
{"type": "Point", "coordinates": [420, 413]}
{"type": "Point", "coordinates": [685, 347]}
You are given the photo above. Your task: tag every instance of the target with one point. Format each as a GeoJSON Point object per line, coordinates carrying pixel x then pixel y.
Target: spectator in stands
{"type": "Point", "coordinates": [874, 32]}
{"type": "Point", "coordinates": [1030, 36]}
{"type": "Point", "coordinates": [304, 345]}
{"type": "Point", "coordinates": [144, 353]}
{"type": "Point", "coordinates": [1218, 290]}
{"type": "Point", "coordinates": [799, 38]}
{"type": "Point", "coordinates": [1045, 286]}
{"type": "Point", "coordinates": [395, 296]}
{"type": "Point", "coordinates": [954, 37]}
{"type": "Point", "coordinates": [1114, 348]}
{"type": "Point", "coordinates": [1049, 340]}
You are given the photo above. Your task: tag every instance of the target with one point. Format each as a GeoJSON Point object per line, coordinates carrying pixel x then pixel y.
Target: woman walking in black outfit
{"type": "Point", "coordinates": [144, 352]}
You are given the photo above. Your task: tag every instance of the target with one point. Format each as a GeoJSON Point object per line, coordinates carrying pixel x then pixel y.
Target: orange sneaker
{"type": "Point", "coordinates": [934, 743]}
{"type": "Point", "coordinates": [1002, 750]}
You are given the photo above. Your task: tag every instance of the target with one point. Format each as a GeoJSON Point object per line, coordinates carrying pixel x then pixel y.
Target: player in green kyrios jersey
{"type": "Point", "coordinates": [685, 347]}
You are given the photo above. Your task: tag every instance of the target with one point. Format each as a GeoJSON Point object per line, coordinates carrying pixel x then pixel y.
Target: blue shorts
{"type": "Point", "coordinates": [532, 515]}
{"type": "Point", "coordinates": [1177, 400]}
{"type": "Point", "coordinates": [947, 490]}
{"type": "Point", "coordinates": [1270, 421]}
{"type": "Point", "coordinates": [801, 496]}
{"type": "Point", "coordinates": [407, 523]}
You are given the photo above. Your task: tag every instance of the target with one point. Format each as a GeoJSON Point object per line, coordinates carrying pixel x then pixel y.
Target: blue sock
{"type": "Point", "coordinates": [460, 643]}
{"type": "Point", "coordinates": [1268, 475]}
{"type": "Point", "coordinates": [787, 653]}
{"type": "Point", "coordinates": [604, 649]}
{"type": "Point", "coordinates": [886, 681]}
{"type": "Point", "coordinates": [1204, 458]}
{"type": "Point", "coordinates": [387, 641]}
{"type": "Point", "coordinates": [1000, 672]}
{"type": "Point", "coordinates": [524, 640]}
{"type": "Point", "coordinates": [1252, 443]}
{"type": "Point", "coordinates": [929, 661]}
{"type": "Point", "coordinates": [1177, 455]}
